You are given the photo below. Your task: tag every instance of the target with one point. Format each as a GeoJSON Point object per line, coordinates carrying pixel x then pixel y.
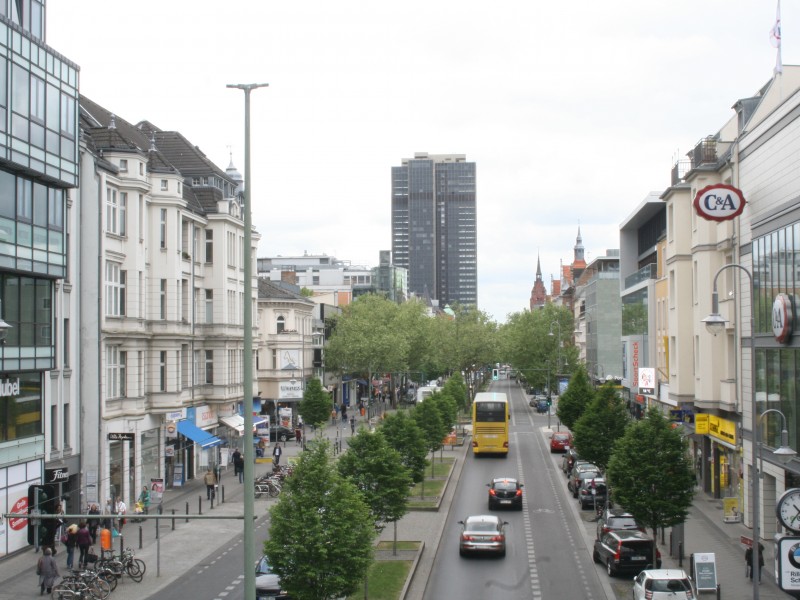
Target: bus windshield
{"type": "Point", "coordinates": [490, 412]}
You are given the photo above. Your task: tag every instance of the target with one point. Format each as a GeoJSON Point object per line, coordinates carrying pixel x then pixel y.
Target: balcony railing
{"type": "Point", "coordinates": [646, 272]}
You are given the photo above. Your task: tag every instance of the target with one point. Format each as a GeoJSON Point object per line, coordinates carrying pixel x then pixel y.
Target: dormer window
{"type": "Point", "coordinates": [281, 324]}
{"type": "Point", "coordinates": [123, 165]}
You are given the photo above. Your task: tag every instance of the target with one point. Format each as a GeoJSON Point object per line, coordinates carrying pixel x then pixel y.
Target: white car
{"type": "Point", "coordinates": [662, 584]}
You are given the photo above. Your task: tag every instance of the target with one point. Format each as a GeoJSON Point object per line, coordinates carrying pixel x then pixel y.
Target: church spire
{"type": "Point", "coordinates": [579, 247]}
{"type": "Point", "coordinates": [538, 269]}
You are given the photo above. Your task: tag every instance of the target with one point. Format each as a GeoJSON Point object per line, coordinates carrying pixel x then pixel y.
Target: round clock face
{"type": "Point", "coordinates": [788, 509]}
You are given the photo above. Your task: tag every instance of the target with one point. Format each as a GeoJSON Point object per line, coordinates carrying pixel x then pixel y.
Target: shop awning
{"type": "Point", "coordinates": [237, 422]}
{"type": "Point", "coordinates": [197, 435]}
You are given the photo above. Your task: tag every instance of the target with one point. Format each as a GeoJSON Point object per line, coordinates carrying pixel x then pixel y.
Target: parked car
{"type": "Point", "coordinates": [482, 534]}
{"type": "Point", "coordinates": [560, 441]}
{"type": "Point", "coordinates": [663, 584]}
{"type": "Point", "coordinates": [542, 407]}
{"type": "Point", "coordinates": [629, 551]}
{"type": "Point", "coordinates": [505, 492]}
{"type": "Point", "coordinates": [268, 584]}
{"type": "Point", "coordinates": [592, 492]}
{"type": "Point", "coordinates": [578, 475]}
{"type": "Point", "coordinates": [279, 433]}
{"type": "Point", "coordinates": [568, 461]}
{"type": "Point", "coordinates": [617, 519]}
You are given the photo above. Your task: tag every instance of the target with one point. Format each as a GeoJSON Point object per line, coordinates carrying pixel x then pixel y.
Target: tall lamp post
{"type": "Point", "coordinates": [558, 364]}
{"type": "Point", "coordinates": [247, 387]}
{"type": "Point", "coordinates": [715, 323]}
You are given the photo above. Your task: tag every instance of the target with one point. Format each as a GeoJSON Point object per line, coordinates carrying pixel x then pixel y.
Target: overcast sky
{"type": "Point", "coordinates": [572, 111]}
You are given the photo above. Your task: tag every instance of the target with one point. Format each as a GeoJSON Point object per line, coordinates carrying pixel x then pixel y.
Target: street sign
{"type": "Point", "coordinates": [705, 571]}
{"type": "Point", "coordinates": [787, 562]}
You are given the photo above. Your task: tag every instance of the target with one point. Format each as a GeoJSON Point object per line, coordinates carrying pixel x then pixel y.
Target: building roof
{"type": "Point", "coordinates": [278, 290]}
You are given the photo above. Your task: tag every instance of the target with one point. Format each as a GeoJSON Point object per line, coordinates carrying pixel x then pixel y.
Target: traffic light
{"type": "Point", "coordinates": [495, 375]}
{"type": "Point", "coordinates": [42, 500]}
{"type": "Point", "coordinates": [549, 401]}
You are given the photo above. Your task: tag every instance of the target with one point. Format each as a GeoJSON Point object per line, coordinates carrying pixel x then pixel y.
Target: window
{"type": "Point", "coordinates": [123, 165]}
{"type": "Point", "coordinates": [179, 188]}
{"type": "Point", "coordinates": [141, 218]}
{"type": "Point", "coordinates": [115, 290]}
{"type": "Point", "coordinates": [164, 185]}
{"type": "Point", "coordinates": [209, 246]}
{"type": "Point", "coordinates": [162, 371]}
{"type": "Point", "coordinates": [123, 374]}
{"type": "Point", "coordinates": [231, 249]}
{"type": "Point", "coordinates": [163, 227]}
{"type": "Point", "coordinates": [209, 306]}
{"type": "Point", "coordinates": [141, 168]}
{"type": "Point", "coordinates": [112, 207]}
{"type": "Point", "coordinates": [209, 366]}
{"type": "Point", "coordinates": [116, 372]}
{"type": "Point", "coordinates": [163, 300]}
{"type": "Point", "coordinates": [281, 324]}
{"type": "Point", "coordinates": [65, 344]}
{"type": "Point", "coordinates": [123, 213]}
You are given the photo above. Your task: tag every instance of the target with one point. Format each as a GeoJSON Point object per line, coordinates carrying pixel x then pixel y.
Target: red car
{"type": "Point", "coordinates": [560, 441]}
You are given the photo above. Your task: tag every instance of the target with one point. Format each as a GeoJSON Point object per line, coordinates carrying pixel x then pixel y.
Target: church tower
{"type": "Point", "coordinates": [539, 292]}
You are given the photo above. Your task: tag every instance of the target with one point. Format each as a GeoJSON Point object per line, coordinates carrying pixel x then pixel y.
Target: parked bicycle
{"type": "Point", "coordinates": [269, 485]}
{"type": "Point", "coordinates": [126, 564]}
{"type": "Point", "coordinates": [98, 588]}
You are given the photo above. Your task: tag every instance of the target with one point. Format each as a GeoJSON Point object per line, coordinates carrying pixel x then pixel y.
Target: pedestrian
{"type": "Point", "coordinates": [210, 480]}
{"type": "Point", "coordinates": [276, 455]}
{"type": "Point", "coordinates": [47, 570]}
{"type": "Point", "coordinates": [70, 540]}
{"type": "Point", "coordinates": [60, 530]}
{"type": "Point", "coordinates": [108, 521]}
{"type": "Point", "coordinates": [298, 435]}
{"type": "Point", "coordinates": [94, 523]}
{"type": "Point", "coordinates": [334, 412]}
{"type": "Point", "coordinates": [144, 499]}
{"type": "Point", "coordinates": [748, 559]}
{"type": "Point", "coordinates": [121, 509]}
{"type": "Point", "coordinates": [352, 425]}
{"type": "Point", "coordinates": [344, 413]}
{"type": "Point", "coordinates": [238, 464]}
{"type": "Point", "coordinates": [84, 540]}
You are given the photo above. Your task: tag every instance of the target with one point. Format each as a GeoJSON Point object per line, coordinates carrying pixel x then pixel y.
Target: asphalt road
{"type": "Point", "coordinates": [547, 555]}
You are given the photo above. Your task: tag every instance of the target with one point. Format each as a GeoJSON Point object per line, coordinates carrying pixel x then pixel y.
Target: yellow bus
{"type": "Point", "coordinates": [490, 423]}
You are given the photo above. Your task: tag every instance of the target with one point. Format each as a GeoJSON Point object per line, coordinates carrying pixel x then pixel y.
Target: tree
{"type": "Point", "coordinates": [652, 473]}
{"type": "Point", "coordinates": [455, 388]}
{"type": "Point", "coordinates": [574, 400]}
{"type": "Point", "coordinates": [429, 419]}
{"type": "Point", "coordinates": [378, 472]}
{"type": "Point", "coordinates": [404, 435]}
{"type": "Point", "coordinates": [315, 407]}
{"type": "Point", "coordinates": [600, 426]}
{"type": "Point", "coordinates": [321, 532]}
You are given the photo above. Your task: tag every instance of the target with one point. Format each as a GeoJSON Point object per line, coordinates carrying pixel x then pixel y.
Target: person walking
{"type": "Point", "coordinates": [94, 523]}
{"type": "Point", "coordinates": [276, 455]}
{"type": "Point", "coordinates": [748, 559]}
{"type": "Point", "coordinates": [121, 509]}
{"type": "Point", "coordinates": [70, 539]}
{"type": "Point", "coordinates": [210, 480]}
{"type": "Point", "coordinates": [352, 425]}
{"type": "Point", "coordinates": [298, 435]}
{"type": "Point", "coordinates": [47, 570]}
{"type": "Point", "coordinates": [144, 499]}
{"type": "Point", "coordinates": [238, 464]}
{"type": "Point", "coordinates": [84, 540]}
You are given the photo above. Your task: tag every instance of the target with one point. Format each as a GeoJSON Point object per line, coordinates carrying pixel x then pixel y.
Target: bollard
{"type": "Point", "coordinates": [187, 510]}
{"type": "Point", "coordinates": [680, 554]}
{"type": "Point", "coordinates": [222, 490]}
{"type": "Point", "coordinates": [140, 537]}
{"type": "Point", "coordinates": [199, 505]}
{"type": "Point", "coordinates": [719, 591]}
{"type": "Point", "coordinates": [173, 519]}
{"type": "Point", "coordinates": [121, 544]}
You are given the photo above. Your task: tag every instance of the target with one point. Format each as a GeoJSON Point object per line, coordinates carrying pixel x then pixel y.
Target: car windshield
{"type": "Point", "coordinates": [263, 567]}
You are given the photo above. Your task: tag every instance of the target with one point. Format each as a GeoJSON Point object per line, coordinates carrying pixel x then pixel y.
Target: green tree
{"type": "Point", "coordinates": [455, 388]}
{"type": "Point", "coordinates": [574, 400]}
{"type": "Point", "coordinates": [405, 436]}
{"type": "Point", "coordinates": [321, 532]}
{"type": "Point", "coordinates": [429, 419]}
{"type": "Point", "coordinates": [377, 470]}
{"type": "Point", "coordinates": [600, 426]}
{"type": "Point", "coordinates": [315, 407]}
{"type": "Point", "coordinates": [652, 473]}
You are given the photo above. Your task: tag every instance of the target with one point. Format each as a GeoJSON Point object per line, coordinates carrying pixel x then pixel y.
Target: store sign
{"type": "Point", "coordinates": [204, 416]}
{"type": "Point", "coordinates": [722, 429]}
{"type": "Point", "coordinates": [120, 437]}
{"type": "Point", "coordinates": [59, 475]}
{"type": "Point", "coordinates": [719, 202]}
{"type": "Point", "coordinates": [647, 381]}
{"type": "Point", "coordinates": [9, 388]}
{"type": "Point", "coordinates": [783, 318]}
{"type": "Point", "coordinates": [701, 423]}
{"type": "Point", "coordinates": [290, 390]}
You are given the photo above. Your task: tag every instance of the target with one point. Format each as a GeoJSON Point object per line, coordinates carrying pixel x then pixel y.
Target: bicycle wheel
{"type": "Point", "coordinates": [62, 592]}
{"type": "Point", "coordinates": [274, 490]}
{"type": "Point", "coordinates": [132, 569]}
{"type": "Point", "coordinates": [99, 588]}
{"type": "Point", "coordinates": [141, 564]}
{"type": "Point", "coordinates": [108, 576]}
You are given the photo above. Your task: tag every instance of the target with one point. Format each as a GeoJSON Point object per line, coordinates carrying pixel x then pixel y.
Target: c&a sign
{"type": "Point", "coordinates": [719, 202]}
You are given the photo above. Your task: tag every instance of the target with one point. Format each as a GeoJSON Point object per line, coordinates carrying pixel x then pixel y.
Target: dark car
{"type": "Point", "coordinates": [630, 551]}
{"type": "Point", "coordinates": [617, 519]}
{"type": "Point", "coordinates": [560, 441]}
{"type": "Point", "coordinates": [279, 433]}
{"type": "Point", "coordinates": [578, 475]}
{"type": "Point", "coordinates": [592, 493]}
{"type": "Point", "coordinates": [482, 534]}
{"type": "Point", "coordinates": [542, 407]}
{"type": "Point", "coordinates": [505, 492]}
{"type": "Point", "coordinates": [268, 585]}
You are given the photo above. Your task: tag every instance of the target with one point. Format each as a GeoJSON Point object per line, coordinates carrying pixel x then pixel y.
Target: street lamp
{"type": "Point", "coordinates": [247, 384]}
{"type": "Point", "coordinates": [715, 323]}
{"type": "Point", "coordinates": [558, 364]}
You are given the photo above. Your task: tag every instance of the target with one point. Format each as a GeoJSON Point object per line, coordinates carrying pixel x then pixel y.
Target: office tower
{"type": "Point", "coordinates": [434, 230]}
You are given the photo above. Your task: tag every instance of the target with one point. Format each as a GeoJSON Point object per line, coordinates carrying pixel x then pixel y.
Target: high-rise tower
{"type": "Point", "coordinates": [434, 229]}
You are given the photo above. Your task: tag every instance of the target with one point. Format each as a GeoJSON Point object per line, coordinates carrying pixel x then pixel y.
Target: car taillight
{"type": "Point", "coordinates": [505, 444]}
{"type": "Point", "coordinates": [618, 552]}
{"type": "Point", "coordinates": [474, 443]}
{"type": "Point", "coordinates": [519, 493]}
{"type": "Point", "coordinates": [466, 538]}
{"type": "Point", "coordinates": [648, 595]}
{"type": "Point", "coordinates": [492, 493]}
{"type": "Point", "coordinates": [498, 538]}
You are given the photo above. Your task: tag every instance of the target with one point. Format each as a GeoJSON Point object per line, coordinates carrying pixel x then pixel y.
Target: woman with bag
{"type": "Point", "coordinates": [70, 540]}
{"type": "Point", "coordinates": [84, 539]}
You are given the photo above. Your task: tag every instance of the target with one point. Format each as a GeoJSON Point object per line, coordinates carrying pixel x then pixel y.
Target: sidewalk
{"type": "Point", "coordinates": [18, 577]}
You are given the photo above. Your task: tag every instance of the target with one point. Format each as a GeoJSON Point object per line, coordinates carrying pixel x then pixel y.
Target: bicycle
{"type": "Point", "coordinates": [98, 587]}
{"type": "Point", "coordinates": [125, 564]}
{"type": "Point", "coordinates": [267, 485]}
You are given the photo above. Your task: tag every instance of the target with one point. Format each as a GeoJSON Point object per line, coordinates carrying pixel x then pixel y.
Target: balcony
{"type": "Point", "coordinates": [704, 152]}
{"type": "Point", "coordinates": [647, 272]}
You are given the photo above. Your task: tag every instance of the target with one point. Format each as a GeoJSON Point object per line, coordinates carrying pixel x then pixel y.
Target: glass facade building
{"type": "Point", "coordinates": [434, 227]}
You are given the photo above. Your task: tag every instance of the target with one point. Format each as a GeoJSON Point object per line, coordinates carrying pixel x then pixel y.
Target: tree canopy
{"type": "Point", "coordinates": [405, 436]}
{"type": "Point", "coordinates": [315, 407]}
{"type": "Point", "coordinates": [601, 425]}
{"type": "Point", "coordinates": [575, 399]}
{"type": "Point", "coordinates": [321, 530]}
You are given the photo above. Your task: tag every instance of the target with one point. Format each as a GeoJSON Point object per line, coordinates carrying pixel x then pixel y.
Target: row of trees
{"type": "Point", "coordinates": [646, 462]}
{"type": "Point", "coordinates": [330, 510]}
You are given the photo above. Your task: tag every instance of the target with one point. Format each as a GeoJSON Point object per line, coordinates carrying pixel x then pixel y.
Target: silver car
{"type": "Point", "coordinates": [663, 584]}
{"type": "Point", "coordinates": [482, 534]}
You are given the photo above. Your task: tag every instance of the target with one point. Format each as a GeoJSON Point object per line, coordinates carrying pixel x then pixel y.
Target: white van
{"type": "Point", "coordinates": [424, 392]}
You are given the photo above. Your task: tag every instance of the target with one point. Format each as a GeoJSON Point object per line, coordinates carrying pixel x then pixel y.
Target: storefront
{"type": "Point", "coordinates": [718, 459]}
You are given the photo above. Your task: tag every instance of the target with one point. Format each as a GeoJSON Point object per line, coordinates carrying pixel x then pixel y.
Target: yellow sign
{"type": "Point", "coordinates": [701, 423]}
{"type": "Point", "coordinates": [730, 510]}
{"type": "Point", "coordinates": [722, 429]}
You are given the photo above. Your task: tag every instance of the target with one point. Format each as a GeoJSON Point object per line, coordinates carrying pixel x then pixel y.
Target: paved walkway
{"type": "Point", "coordinates": [167, 559]}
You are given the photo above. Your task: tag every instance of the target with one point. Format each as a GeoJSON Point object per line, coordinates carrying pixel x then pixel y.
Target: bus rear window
{"type": "Point", "coordinates": [491, 412]}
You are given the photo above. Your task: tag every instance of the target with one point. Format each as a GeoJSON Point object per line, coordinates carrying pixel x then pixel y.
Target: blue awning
{"type": "Point", "coordinates": [197, 435]}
